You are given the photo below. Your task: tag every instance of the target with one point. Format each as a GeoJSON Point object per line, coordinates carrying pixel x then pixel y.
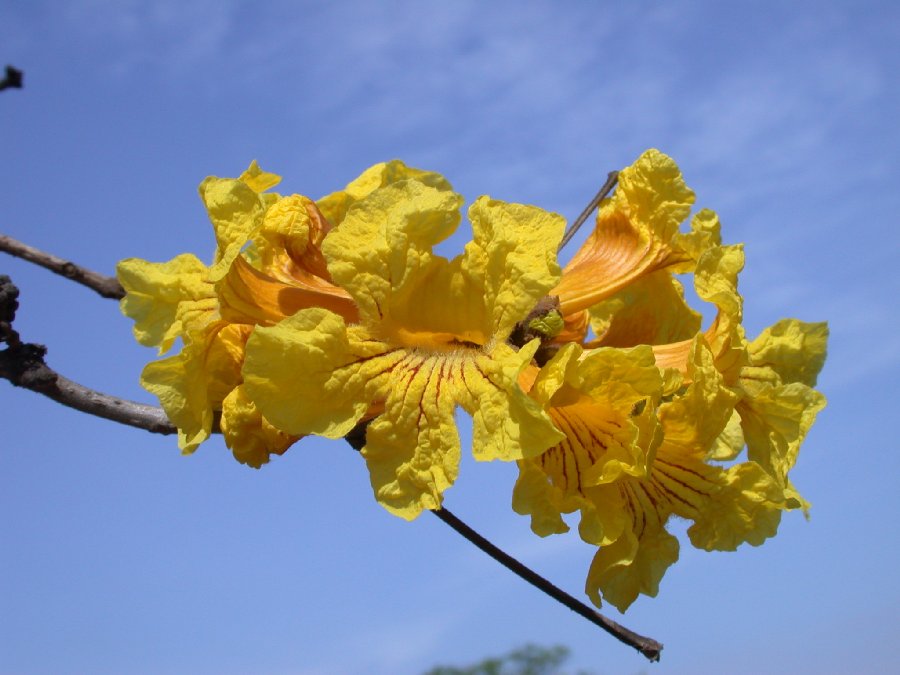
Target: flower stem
{"type": "Point", "coordinates": [646, 646]}
{"type": "Point", "coordinates": [611, 180]}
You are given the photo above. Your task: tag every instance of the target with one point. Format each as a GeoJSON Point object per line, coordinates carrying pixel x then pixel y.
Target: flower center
{"type": "Point", "coordinates": [428, 341]}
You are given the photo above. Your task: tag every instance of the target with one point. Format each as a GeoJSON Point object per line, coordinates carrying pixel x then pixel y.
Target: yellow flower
{"type": "Point", "coordinates": [605, 402]}
{"type": "Point", "coordinates": [268, 264]}
{"type": "Point", "coordinates": [628, 260]}
{"type": "Point", "coordinates": [633, 458]}
{"type": "Point", "coordinates": [431, 336]}
{"type": "Point", "coordinates": [773, 376]}
{"type": "Point", "coordinates": [778, 404]}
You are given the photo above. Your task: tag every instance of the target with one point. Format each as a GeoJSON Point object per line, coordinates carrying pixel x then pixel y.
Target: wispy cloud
{"type": "Point", "coordinates": [170, 36]}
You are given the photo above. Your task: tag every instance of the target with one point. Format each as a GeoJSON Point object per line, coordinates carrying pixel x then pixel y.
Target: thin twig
{"type": "Point", "coordinates": [108, 287]}
{"type": "Point", "coordinates": [611, 178]}
{"type": "Point", "coordinates": [646, 646]}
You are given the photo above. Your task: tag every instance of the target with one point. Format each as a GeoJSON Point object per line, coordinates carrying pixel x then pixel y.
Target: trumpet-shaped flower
{"type": "Point", "coordinates": [632, 459]}
{"type": "Point", "coordinates": [716, 394]}
{"type": "Point", "coordinates": [320, 317]}
{"type": "Point", "coordinates": [628, 259]}
{"type": "Point", "coordinates": [268, 264]}
{"type": "Point", "coordinates": [773, 376]}
{"type": "Point", "coordinates": [776, 403]}
{"type": "Point", "coordinates": [431, 336]}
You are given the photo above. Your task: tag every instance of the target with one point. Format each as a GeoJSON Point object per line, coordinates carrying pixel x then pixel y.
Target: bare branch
{"type": "Point", "coordinates": [611, 179]}
{"type": "Point", "coordinates": [23, 365]}
{"type": "Point", "coordinates": [646, 646]}
{"type": "Point", "coordinates": [108, 287]}
{"type": "Point", "coordinates": [44, 380]}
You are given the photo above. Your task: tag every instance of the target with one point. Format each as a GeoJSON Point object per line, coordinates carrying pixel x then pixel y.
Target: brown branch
{"type": "Point", "coordinates": [646, 646]}
{"type": "Point", "coordinates": [108, 287]}
{"type": "Point", "coordinates": [611, 179]}
{"type": "Point", "coordinates": [40, 378]}
{"type": "Point", "coordinates": [23, 365]}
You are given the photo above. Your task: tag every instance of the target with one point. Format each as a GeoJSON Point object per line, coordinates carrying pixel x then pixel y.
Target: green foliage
{"type": "Point", "coordinates": [527, 660]}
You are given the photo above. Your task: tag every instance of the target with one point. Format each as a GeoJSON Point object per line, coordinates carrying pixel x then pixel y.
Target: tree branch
{"type": "Point", "coordinates": [646, 646]}
{"type": "Point", "coordinates": [611, 179]}
{"type": "Point", "coordinates": [108, 287]}
{"type": "Point", "coordinates": [23, 365]}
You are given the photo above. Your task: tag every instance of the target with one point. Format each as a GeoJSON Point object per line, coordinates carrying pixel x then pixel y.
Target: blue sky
{"type": "Point", "coordinates": [121, 556]}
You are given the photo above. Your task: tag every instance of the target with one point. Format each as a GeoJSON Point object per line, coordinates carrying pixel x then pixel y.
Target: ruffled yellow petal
{"type": "Point", "coordinates": [158, 295]}
{"type": "Point", "coordinates": [543, 384]}
{"type": "Point", "coordinates": [248, 434]}
{"type": "Point", "coordinates": [336, 205]}
{"type": "Point", "coordinates": [778, 404]}
{"type": "Point", "coordinates": [649, 311]}
{"type": "Point", "coordinates": [289, 243]}
{"type": "Point", "coordinates": [533, 496]}
{"type": "Point", "coordinates": [729, 444]}
{"type": "Point", "coordinates": [506, 424]}
{"type": "Point", "coordinates": [715, 280]}
{"type": "Point", "coordinates": [745, 506]}
{"type": "Point", "coordinates": [513, 251]}
{"type": "Point", "coordinates": [412, 449]}
{"type": "Point", "coordinates": [236, 211]}
{"type": "Point", "coordinates": [382, 255]}
{"type": "Point", "coordinates": [636, 234]}
{"type": "Point", "coordinates": [633, 564]}
{"type": "Point", "coordinates": [383, 249]}
{"type": "Point", "coordinates": [312, 374]}
{"type": "Point", "coordinates": [194, 382]}
{"type": "Point", "coordinates": [728, 506]}
{"type": "Point", "coordinates": [694, 420]}
{"type": "Point", "coordinates": [705, 234]}
{"type": "Point", "coordinates": [794, 350]}
{"type": "Point", "coordinates": [257, 179]}
{"type": "Point", "coordinates": [775, 419]}
{"type": "Point", "coordinates": [177, 382]}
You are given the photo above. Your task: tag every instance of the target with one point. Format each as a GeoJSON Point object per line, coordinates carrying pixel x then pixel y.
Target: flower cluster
{"type": "Point", "coordinates": [598, 379]}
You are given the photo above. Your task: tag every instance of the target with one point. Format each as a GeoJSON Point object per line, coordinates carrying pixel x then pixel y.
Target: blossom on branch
{"type": "Point", "coordinates": [598, 379]}
{"type": "Point", "coordinates": [431, 336]}
{"type": "Point", "coordinates": [714, 391]}
{"type": "Point", "coordinates": [267, 265]}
